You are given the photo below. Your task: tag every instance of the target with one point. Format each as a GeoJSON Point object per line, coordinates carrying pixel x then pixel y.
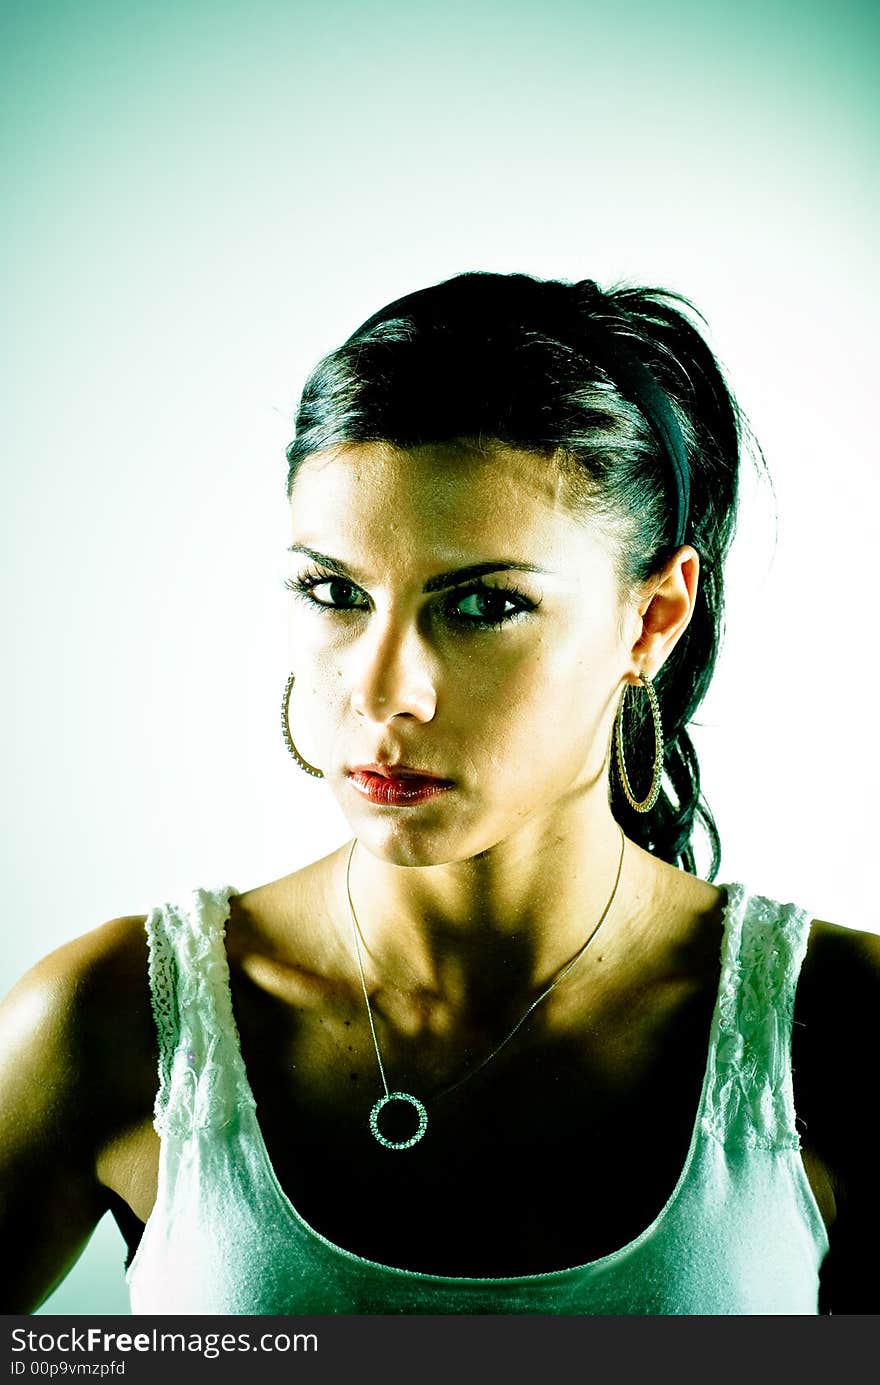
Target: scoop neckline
{"type": "Point", "coordinates": [735, 897]}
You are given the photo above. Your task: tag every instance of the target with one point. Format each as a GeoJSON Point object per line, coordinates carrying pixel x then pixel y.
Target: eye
{"type": "Point", "coordinates": [340, 592]}
{"type": "Point", "coordinates": [490, 607]}
{"type": "Point", "coordinates": [477, 607]}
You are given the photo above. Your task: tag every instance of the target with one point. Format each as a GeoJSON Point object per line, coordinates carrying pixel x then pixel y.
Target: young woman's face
{"type": "Point", "coordinates": [503, 683]}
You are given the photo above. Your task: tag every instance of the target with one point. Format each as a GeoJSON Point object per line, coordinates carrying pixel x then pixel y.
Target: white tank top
{"type": "Point", "coordinates": [739, 1234]}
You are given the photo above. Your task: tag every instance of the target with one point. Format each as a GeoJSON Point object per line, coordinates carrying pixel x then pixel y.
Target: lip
{"type": "Point", "coordinates": [397, 790]}
{"type": "Point", "coordinates": [398, 771]}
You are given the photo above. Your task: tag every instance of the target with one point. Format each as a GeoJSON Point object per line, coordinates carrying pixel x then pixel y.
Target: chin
{"type": "Point", "coordinates": [407, 849]}
{"type": "Point", "coordinates": [422, 843]}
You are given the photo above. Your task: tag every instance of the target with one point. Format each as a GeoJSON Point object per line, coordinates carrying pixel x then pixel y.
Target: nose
{"type": "Point", "coordinates": [394, 675]}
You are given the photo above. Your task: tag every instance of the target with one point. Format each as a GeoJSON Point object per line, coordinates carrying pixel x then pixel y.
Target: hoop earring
{"type": "Point", "coordinates": [288, 739]}
{"type": "Point", "coordinates": [647, 803]}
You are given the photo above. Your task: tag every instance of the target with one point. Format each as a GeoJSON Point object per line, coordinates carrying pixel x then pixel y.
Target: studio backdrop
{"type": "Point", "coordinates": [201, 199]}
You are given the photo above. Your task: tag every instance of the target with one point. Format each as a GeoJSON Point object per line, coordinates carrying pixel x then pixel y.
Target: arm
{"type": "Point", "coordinates": [835, 1054]}
{"type": "Point", "coordinates": [68, 1078]}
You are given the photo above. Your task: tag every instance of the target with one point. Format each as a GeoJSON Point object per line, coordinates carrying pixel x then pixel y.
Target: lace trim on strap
{"type": "Point", "coordinates": [163, 993]}
{"type": "Point", "coordinates": [750, 1100]}
{"type": "Point", "coordinates": [201, 1074]}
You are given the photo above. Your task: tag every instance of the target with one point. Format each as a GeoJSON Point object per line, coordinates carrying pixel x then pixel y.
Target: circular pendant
{"type": "Point", "coordinates": [420, 1111]}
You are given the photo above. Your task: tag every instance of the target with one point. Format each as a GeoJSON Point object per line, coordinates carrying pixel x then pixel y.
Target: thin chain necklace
{"type": "Point", "coordinates": [407, 1097]}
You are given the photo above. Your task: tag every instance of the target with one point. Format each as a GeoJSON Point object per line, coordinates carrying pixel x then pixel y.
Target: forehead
{"type": "Point", "coordinates": [451, 498]}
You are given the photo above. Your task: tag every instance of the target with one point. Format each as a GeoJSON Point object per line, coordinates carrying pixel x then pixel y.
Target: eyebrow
{"type": "Point", "coordinates": [433, 584]}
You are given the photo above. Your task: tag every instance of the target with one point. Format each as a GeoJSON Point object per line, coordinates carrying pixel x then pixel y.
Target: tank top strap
{"type": "Point", "coordinates": [749, 1096]}
{"type": "Point", "coordinates": [202, 1081]}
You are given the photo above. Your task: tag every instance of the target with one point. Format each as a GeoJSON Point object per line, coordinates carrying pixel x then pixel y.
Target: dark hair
{"type": "Point", "coordinates": [484, 357]}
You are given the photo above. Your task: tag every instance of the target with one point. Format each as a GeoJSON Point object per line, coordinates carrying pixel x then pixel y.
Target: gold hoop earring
{"type": "Point", "coordinates": [646, 804]}
{"type": "Point", "coordinates": [288, 739]}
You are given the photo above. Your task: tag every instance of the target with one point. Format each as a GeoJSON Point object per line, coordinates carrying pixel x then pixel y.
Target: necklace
{"type": "Point", "coordinates": [407, 1097]}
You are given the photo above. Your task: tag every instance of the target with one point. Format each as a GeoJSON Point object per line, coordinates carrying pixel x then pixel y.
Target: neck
{"type": "Point", "coordinates": [473, 937]}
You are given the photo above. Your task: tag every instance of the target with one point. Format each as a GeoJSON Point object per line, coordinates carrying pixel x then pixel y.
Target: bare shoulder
{"type": "Point", "coordinates": [76, 1049]}
{"type": "Point", "coordinates": [84, 1007]}
{"type": "Point", "coordinates": [291, 919]}
{"type": "Point", "coordinates": [86, 969]}
{"type": "Point", "coordinates": [835, 1046]}
{"type": "Point", "coordinates": [834, 1062]}
{"type": "Point", "coordinates": [686, 913]}
{"type": "Point", "coordinates": [301, 890]}
{"type": "Point", "coordinates": [835, 1035]}
{"type": "Point", "coordinates": [840, 976]}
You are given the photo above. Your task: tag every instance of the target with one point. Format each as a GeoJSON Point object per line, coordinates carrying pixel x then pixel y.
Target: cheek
{"type": "Point", "coordinates": [550, 701]}
{"type": "Point", "coordinates": [319, 650]}
{"type": "Point", "coordinates": [561, 671]}
{"type": "Point", "coordinates": [320, 697]}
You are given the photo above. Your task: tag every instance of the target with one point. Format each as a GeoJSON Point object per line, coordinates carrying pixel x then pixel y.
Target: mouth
{"type": "Point", "coordinates": [396, 772]}
{"type": "Point", "coordinates": [396, 786]}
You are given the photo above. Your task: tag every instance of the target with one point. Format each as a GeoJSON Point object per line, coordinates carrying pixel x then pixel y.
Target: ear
{"type": "Point", "coordinates": [663, 612]}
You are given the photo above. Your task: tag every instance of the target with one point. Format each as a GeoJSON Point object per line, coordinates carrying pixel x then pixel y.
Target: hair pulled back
{"type": "Point", "coordinates": [483, 357]}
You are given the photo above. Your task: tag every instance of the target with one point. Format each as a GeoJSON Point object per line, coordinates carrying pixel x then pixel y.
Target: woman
{"type": "Point", "coordinates": [509, 1053]}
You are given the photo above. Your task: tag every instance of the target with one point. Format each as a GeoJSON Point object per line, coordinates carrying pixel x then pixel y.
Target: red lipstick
{"type": "Point", "coordinates": [396, 786]}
